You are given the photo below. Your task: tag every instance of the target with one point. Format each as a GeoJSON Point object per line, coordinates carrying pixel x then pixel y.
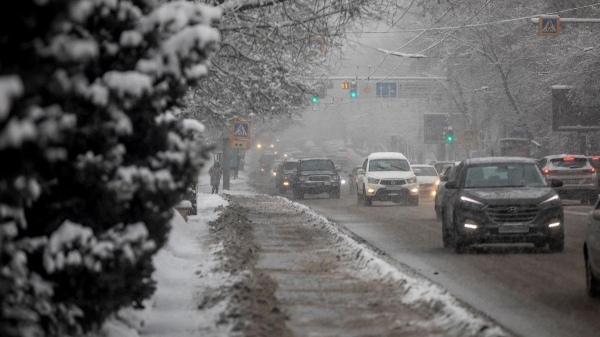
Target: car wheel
{"type": "Point", "coordinates": [592, 283]}
{"type": "Point", "coordinates": [358, 197]}
{"type": "Point", "coordinates": [446, 235]}
{"type": "Point", "coordinates": [338, 194]}
{"type": "Point", "coordinates": [414, 201]}
{"type": "Point", "coordinates": [557, 245]}
{"type": "Point", "coordinates": [594, 198]}
{"type": "Point", "coordinates": [298, 195]}
{"type": "Point", "coordinates": [366, 200]}
{"type": "Point", "coordinates": [458, 240]}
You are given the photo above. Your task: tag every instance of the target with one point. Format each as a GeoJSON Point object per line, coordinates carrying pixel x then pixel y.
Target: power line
{"type": "Point", "coordinates": [475, 24]}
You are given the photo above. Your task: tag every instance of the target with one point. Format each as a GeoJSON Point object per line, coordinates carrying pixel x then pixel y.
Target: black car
{"type": "Point", "coordinates": [316, 176]}
{"type": "Point", "coordinates": [501, 200]}
{"type": "Point", "coordinates": [591, 253]}
{"type": "Point", "coordinates": [285, 175]}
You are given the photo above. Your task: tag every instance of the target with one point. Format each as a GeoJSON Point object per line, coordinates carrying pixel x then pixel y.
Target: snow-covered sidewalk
{"type": "Point", "coordinates": [192, 287]}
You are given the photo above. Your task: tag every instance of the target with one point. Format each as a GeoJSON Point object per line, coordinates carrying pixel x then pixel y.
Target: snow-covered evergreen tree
{"type": "Point", "coordinates": [93, 152]}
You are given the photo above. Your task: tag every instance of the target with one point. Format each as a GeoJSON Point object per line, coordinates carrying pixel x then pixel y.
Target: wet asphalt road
{"type": "Point", "coordinates": [530, 291]}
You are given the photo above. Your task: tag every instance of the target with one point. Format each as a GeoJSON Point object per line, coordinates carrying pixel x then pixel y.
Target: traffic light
{"type": "Point", "coordinates": [353, 93]}
{"type": "Point", "coordinates": [315, 99]}
{"type": "Point", "coordinates": [449, 136]}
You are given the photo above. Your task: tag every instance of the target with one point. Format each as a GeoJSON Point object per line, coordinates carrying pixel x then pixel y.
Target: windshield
{"type": "Point", "coordinates": [425, 171]}
{"type": "Point", "coordinates": [569, 162]}
{"type": "Point", "coordinates": [316, 165]}
{"type": "Point", "coordinates": [379, 165]}
{"type": "Point", "coordinates": [289, 166]}
{"type": "Point", "coordinates": [504, 175]}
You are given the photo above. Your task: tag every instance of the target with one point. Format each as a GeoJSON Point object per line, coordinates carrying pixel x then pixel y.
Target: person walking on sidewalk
{"type": "Point", "coordinates": [215, 173]}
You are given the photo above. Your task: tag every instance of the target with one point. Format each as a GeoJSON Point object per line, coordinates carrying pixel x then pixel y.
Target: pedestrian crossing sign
{"type": "Point", "coordinates": [549, 26]}
{"type": "Point", "coordinates": [240, 130]}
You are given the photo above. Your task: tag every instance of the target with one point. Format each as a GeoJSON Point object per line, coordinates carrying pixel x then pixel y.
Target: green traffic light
{"type": "Point", "coordinates": [315, 99]}
{"type": "Point", "coordinates": [449, 139]}
{"type": "Point", "coordinates": [352, 94]}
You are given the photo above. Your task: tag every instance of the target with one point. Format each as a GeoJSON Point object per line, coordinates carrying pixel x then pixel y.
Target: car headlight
{"type": "Point", "coordinates": [302, 178]}
{"type": "Point", "coordinates": [471, 203]}
{"type": "Point", "coordinates": [552, 201]}
{"type": "Point", "coordinates": [437, 182]}
{"type": "Point", "coordinates": [411, 180]}
{"type": "Point", "coordinates": [335, 177]}
{"type": "Point", "coordinates": [372, 181]}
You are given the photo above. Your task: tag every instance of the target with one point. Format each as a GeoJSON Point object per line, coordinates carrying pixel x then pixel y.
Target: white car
{"type": "Point", "coordinates": [386, 176]}
{"type": "Point", "coordinates": [427, 178]}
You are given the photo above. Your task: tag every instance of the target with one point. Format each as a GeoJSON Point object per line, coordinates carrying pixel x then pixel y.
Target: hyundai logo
{"type": "Point", "coordinates": [513, 209]}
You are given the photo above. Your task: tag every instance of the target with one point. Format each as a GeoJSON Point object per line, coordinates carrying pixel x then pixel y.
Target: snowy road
{"type": "Point", "coordinates": [529, 291]}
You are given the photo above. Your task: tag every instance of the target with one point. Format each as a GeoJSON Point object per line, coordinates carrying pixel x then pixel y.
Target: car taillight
{"type": "Point", "coordinates": [546, 171]}
{"type": "Point", "coordinates": [568, 159]}
{"type": "Point", "coordinates": [592, 170]}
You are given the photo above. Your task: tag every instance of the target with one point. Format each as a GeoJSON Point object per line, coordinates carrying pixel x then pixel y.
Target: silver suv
{"type": "Point", "coordinates": [579, 178]}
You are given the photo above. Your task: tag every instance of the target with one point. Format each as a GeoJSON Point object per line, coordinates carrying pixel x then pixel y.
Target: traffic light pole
{"type": "Point", "coordinates": [225, 163]}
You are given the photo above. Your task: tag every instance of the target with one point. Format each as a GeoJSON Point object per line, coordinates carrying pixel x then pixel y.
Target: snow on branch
{"type": "Point", "coordinates": [395, 53]}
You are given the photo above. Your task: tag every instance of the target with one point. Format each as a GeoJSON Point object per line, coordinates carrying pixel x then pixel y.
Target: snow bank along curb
{"type": "Point", "coordinates": [451, 314]}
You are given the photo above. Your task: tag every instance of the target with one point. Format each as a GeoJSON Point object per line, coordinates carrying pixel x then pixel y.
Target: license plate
{"type": "Point", "coordinates": [513, 229]}
{"type": "Point", "coordinates": [318, 183]}
{"type": "Point", "coordinates": [393, 188]}
{"type": "Point", "coordinates": [571, 181]}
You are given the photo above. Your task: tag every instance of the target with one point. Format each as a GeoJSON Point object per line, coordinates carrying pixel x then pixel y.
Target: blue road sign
{"type": "Point", "coordinates": [549, 26]}
{"type": "Point", "coordinates": [240, 130]}
{"type": "Point", "coordinates": [386, 89]}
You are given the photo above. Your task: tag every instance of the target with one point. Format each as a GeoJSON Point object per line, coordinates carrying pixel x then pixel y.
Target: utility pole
{"type": "Point", "coordinates": [225, 163]}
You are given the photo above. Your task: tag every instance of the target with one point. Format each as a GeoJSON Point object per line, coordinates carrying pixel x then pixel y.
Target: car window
{"type": "Point", "coordinates": [316, 165]}
{"type": "Point", "coordinates": [595, 162]}
{"type": "Point", "coordinates": [569, 162]}
{"type": "Point", "coordinates": [379, 165]}
{"type": "Point", "coordinates": [425, 171]}
{"type": "Point", "coordinates": [288, 166]}
{"type": "Point", "coordinates": [504, 175]}
{"type": "Point", "coordinates": [364, 166]}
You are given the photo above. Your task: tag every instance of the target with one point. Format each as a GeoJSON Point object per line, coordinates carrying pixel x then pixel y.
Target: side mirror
{"type": "Point", "coordinates": [596, 214]}
{"type": "Point", "coordinates": [360, 172]}
{"type": "Point", "coordinates": [451, 185]}
{"type": "Point", "coordinates": [443, 178]}
{"type": "Point", "coordinates": [556, 182]}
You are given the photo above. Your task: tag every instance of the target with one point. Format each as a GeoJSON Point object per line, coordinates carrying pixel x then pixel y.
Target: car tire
{"type": "Point", "coordinates": [414, 201]}
{"type": "Point", "coordinates": [594, 198]}
{"type": "Point", "coordinates": [557, 245]}
{"type": "Point", "coordinates": [458, 240]}
{"type": "Point", "coordinates": [592, 284]}
{"type": "Point", "coordinates": [335, 194]}
{"type": "Point", "coordinates": [365, 199]}
{"type": "Point", "coordinates": [446, 234]}
{"type": "Point", "coordinates": [298, 195]}
{"type": "Point", "coordinates": [358, 197]}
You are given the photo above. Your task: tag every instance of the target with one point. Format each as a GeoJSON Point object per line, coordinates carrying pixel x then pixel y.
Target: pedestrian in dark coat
{"type": "Point", "coordinates": [215, 173]}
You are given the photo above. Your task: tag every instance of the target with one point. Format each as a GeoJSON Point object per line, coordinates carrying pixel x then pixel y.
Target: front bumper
{"type": "Point", "coordinates": [489, 231]}
{"type": "Point", "coordinates": [317, 187]}
{"type": "Point", "coordinates": [388, 193]}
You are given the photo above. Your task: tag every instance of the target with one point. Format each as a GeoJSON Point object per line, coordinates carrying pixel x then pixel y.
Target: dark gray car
{"type": "Point", "coordinates": [501, 200]}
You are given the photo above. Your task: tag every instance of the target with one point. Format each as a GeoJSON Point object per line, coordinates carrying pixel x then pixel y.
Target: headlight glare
{"type": "Point", "coordinates": [411, 180]}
